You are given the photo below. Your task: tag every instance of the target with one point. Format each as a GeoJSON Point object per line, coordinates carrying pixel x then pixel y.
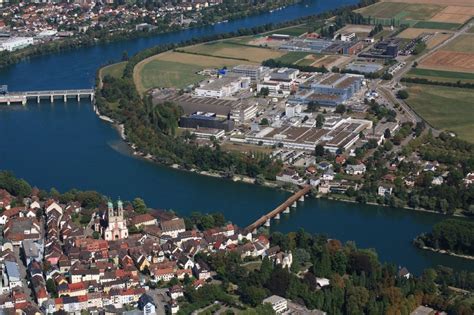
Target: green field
{"type": "Point", "coordinates": [445, 108]}
{"type": "Point", "coordinates": [167, 74]}
{"type": "Point", "coordinates": [442, 76]}
{"type": "Point", "coordinates": [401, 11]}
{"type": "Point", "coordinates": [293, 31]}
{"type": "Point", "coordinates": [437, 25]}
{"type": "Point", "coordinates": [115, 70]}
{"type": "Point", "coordinates": [305, 62]}
{"type": "Point", "coordinates": [292, 57]}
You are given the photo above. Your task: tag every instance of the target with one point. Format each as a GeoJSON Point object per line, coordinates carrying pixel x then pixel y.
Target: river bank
{"type": "Point", "coordinates": [446, 252]}
{"type": "Point", "coordinates": [86, 40]}
{"type": "Point", "coordinates": [84, 152]}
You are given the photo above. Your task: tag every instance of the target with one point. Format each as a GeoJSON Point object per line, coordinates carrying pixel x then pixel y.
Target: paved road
{"type": "Point", "coordinates": [389, 89]}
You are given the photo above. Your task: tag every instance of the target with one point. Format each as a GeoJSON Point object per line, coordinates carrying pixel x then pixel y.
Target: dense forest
{"type": "Point", "coordinates": [456, 236]}
{"type": "Point", "coordinates": [359, 282]}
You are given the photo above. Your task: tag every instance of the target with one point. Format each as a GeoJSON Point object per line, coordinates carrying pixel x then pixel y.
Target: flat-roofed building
{"type": "Point", "coordinates": [13, 273]}
{"type": "Point", "coordinates": [255, 73]}
{"type": "Point", "coordinates": [342, 136]}
{"type": "Point", "coordinates": [222, 87]}
{"type": "Point", "coordinates": [330, 89]}
{"type": "Point", "coordinates": [206, 120]}
{"type": "Point", "coordinates": [279, 304]}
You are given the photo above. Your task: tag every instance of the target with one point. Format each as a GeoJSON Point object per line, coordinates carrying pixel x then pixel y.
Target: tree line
{"type": "Point", "coordinates": [456, 236]}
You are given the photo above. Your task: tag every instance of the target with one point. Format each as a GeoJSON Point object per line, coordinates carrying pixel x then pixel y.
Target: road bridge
{"type": "Point", "coordinates": [283, 208]}
{"type": "Point", "coordinates": [25, 96]}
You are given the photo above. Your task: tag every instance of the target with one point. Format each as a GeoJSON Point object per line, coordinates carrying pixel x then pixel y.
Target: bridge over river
{"type": "Point", "coordinates": [23, 97]}
{"type": "Point", "coordinates": [283, 208]}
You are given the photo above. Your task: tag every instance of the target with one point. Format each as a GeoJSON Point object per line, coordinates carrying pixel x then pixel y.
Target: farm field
{"type": "Point", "coordinates": [449, 61]}
{"type": "Point", "coordinates": [463, 43]}
{"type": "Point", "coordinates": [175, 69]}
{"type": "Point", "coordinates": [228, 50]}
{"type": "Point", "coordinates": [441, 76]}
{"type": "Point", "coordinates": [467, 3]}
{"type": "Point", "coordinates": [454, 14]}
{"type": "Point", "coordinates": [437, 25]}
{"type": "Point", "coordinates": [411, 33]}
{"type": "Point", "coordinates": [402, 11]}
{"type": "Point", "coordinates": [437, 39]}
{"type": "Point", "coordinates": [446, 108]}
{"type": "Point", "coordinates": [434, 14]}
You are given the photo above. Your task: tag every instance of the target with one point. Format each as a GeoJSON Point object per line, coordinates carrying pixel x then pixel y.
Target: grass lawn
{"type": "Point", "coordinates": [437, 25]}
{"type": "Point", "coordinates": [402, 11]}
{"type": "Point", "coordinates": [443, 76]}
{"type": "Point", "coordinates": [445, 108]}
{"type": "Point", "coordinates": [293, 57]}
{"type": "Point", "coordinates": [115, 70]}
{"type": "Point", "coordinates": [159, 73]}
{"type": "Point", "coordinates": [175, 69]}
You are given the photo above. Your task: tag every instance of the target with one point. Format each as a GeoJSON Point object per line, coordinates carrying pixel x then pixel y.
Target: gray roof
{"type": "Point", "coordinates": [12, 269]}
{"type": "Point", "coordinates": [30, 248]}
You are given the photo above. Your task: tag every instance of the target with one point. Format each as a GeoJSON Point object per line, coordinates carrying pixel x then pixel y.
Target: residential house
{"type": "Point", "coordinates": [13, 274]}
{"type": "Point", "coordinates": [278, 303]}
{"type": "Point", "coordinates": [290, 176]}
{"type": "Point", "coordinates": [384, 191]}
{"type": "Point", "coordinates": [147, 305]}
{"type": "Point", "coordinates": [358, 169]}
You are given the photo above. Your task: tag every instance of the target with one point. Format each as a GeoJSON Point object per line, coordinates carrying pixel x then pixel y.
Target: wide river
{"type": "Point", "coordinates": [67, 146]}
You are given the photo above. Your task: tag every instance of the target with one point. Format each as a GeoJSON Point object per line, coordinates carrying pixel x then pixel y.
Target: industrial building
{"type": "Point", "coordinates": [341, 135]}
{"type": "Point", "coordinates": [14, 43]}
{"type": "Point", "coordinates": [222, 87]}
{"type": "Point", "coordinates": [386, 49]}
{"type": "Point", "coordinates": [206, 120]}
{"type": "Point", "coordinates": [238, 110]}
{"type": "Point", "coordinates": [255, 73]}
{"type": "Point", "coordinates": [329, 89]}
{"type": "Point", "coordinates": [323, 46]}
{"type": "Point", "coordinates": [279, 82]}
{"type": "Point", "coordinates": [364, 67]}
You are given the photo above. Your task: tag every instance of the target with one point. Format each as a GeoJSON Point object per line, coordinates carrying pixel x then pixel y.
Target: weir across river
{"type": "Point", "coordinates": [283, 208]}
{"type": "Point", "coordinates": [23, 97]}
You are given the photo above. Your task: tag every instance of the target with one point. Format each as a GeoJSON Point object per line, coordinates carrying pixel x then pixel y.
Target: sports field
{"type": "Point", "coordinates": [441, 76]}
{"type": "Point", "coordinates": [228, 50]}
{"type": "Point", "coordinates": [175, 69]}
{"type": "Point", "coordinates": [445, 108]}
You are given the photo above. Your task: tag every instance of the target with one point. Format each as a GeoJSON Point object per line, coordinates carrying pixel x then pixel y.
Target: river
{"type": "Point", "coordinates": [66, 146]}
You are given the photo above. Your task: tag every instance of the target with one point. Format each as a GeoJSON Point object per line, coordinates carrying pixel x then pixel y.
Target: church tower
{"type": "Point", "coordinates": [116, 225]}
